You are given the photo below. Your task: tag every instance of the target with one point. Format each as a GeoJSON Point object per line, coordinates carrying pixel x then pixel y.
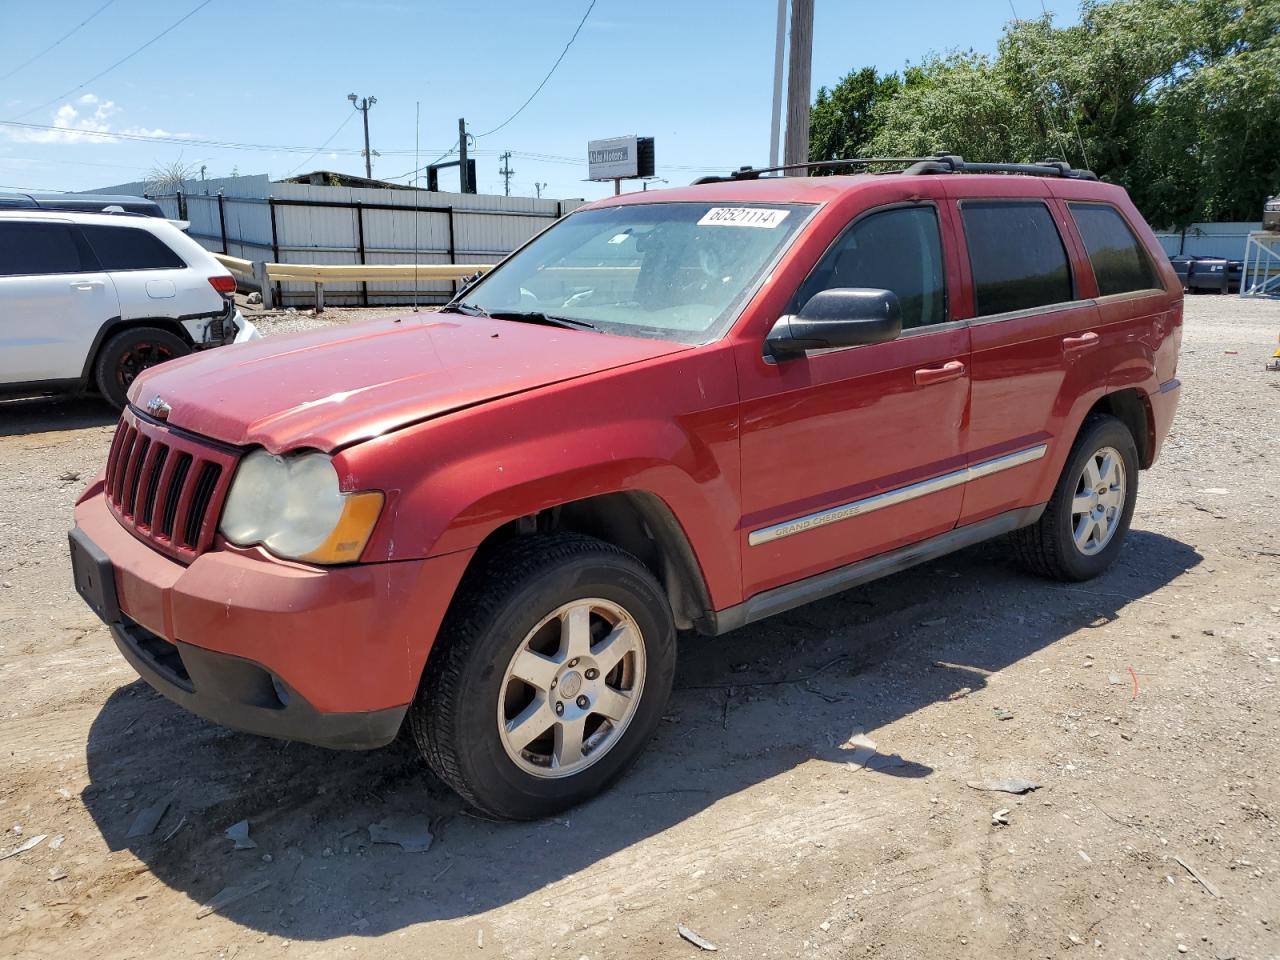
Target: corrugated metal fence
{"type": "Point", "coordinates": [1209, 240]}
{"type": "Point", "coordinates": [254, 218]}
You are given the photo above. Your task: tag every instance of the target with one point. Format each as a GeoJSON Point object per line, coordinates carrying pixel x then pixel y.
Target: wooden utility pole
{"type": "Point", "coordinates": [463, 173]}
{"type": "Point", "coordinates": [506, 172]}
{"type": "Point", "coordinates": [799, 79]}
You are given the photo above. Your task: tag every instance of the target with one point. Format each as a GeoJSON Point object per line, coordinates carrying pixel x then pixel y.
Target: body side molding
{"type": "Point", "coordinates": [791, 595]}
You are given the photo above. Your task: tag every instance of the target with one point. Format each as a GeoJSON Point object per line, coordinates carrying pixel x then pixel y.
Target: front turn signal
{"type": "Point", "coordinates": [360, 513]}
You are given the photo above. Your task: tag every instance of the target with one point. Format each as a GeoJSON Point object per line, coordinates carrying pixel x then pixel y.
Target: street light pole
{"type": "Point", "coordinates": [775, 122]}
{"type": "Point", "coordinates": [363, 106]}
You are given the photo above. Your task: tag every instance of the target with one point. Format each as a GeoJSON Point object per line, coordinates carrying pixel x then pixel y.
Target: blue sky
{"type": "Point", "coordinates": [696, 75]}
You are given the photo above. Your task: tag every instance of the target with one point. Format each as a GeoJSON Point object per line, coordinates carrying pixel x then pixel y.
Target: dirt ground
{"type": "Point", "coordinates": [1145, 704]}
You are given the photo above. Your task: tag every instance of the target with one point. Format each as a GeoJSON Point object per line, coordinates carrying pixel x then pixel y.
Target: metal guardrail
{"type": "Point", "coordinates": [335, 273]}
{"type": "Point", "coordinates": [265, 274]}
{"type": "Point", "coordinates": [235, 264]}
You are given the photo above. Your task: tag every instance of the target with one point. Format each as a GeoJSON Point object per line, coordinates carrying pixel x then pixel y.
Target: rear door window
{"type": "Point", "coordinates": [1119, 262]}
{"type": "Point", "coordinates": [900, 250]}
{"type": "Point", "coordinates": [1016, 256]}
{"type": "Point", "coordinates": [32, 249]}
{"type": "Point", "coordinates": [131, 248]}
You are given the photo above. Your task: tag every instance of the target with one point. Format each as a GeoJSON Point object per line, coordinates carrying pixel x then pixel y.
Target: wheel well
{"type": "Point", "coordinates": [112, 327]}
{"type": "Point", "coordinates": [639, 523]}
{"type": "Point", "coordinates": [1131, 408]}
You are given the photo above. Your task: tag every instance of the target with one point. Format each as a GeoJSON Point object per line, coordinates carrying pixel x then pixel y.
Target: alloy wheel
{"type": "Point", "coordinates": [1098, 504]}
{"type": "Point", "coordinates": [138, 358]}
{"type": "Point", "coordinates": [571, 689]}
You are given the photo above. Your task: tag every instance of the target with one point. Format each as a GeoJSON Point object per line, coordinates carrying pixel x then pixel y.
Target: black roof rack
{"type": "Point", "coordinates": [918, 166]}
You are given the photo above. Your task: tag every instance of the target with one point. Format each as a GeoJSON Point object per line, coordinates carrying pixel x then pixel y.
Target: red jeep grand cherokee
{"type": "Point", "coordinates": [671, 411]}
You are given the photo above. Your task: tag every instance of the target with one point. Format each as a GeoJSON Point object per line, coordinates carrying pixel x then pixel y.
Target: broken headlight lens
{"type": "Point", "coordinates": [293, 506]}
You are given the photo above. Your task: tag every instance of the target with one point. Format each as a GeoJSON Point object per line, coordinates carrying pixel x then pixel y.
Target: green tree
{"type": "Point", "coordinates": [962, 103]}
{"type": "Point", "coordinates": [1177, 100]}
{"type": "Point", "coordinates": [844, 119]}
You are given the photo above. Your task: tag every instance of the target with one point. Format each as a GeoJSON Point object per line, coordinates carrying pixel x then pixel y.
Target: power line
{"type": "Point", "coordinates": [65, 36]}
{"type": "Point", "coordinates": [1044, 98]}
{"type": "Point", "coordinates": [538, 89]}
{"type": "Point", "coordinates": [323, 145]}
{"type": "Point", "coordinates": [1071, 102]}
{"type": "Point", "coordinates": [129, 56]}
{"type": "Point", "coordinates": [78, 163]}
{"type": "Point", "coordinates": [179, 140]}
{"type": "Point", "coordinates": [401, 176]}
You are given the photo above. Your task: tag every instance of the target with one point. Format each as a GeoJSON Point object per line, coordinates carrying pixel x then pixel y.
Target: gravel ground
{"type": "Point", "coordinates": [1144, 704]}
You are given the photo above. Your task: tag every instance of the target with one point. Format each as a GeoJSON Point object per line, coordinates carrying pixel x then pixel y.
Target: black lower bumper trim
{"type": "Point", "coordinates": [244, 695]}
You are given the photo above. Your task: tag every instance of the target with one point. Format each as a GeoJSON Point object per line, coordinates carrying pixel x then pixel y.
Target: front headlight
{"type": "Point", "coordinates": [293, 507]}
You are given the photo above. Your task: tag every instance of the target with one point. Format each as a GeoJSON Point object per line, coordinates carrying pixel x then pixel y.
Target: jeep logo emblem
{"type": "Point", "coordinates": [156, 407]}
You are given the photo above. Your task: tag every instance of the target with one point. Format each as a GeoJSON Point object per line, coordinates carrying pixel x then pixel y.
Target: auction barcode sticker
{"type": "Point", "coordinates": [743, 217]}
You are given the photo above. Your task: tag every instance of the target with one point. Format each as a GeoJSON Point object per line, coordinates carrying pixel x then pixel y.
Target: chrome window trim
{"type": "Point", "coordinates": [1142, 294]}
{"type": "Point", "coordinates": [1031, 312]}
{"type": "Point", "coordinates": [857, 508]}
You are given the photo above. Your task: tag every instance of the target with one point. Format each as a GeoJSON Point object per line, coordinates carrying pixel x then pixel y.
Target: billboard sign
{"type": "Point", "coordinates": [620, 158]}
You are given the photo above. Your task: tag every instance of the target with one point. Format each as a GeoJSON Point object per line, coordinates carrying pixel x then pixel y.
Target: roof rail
{"type": "Point", "coordinates": [917, 166]}
{"type": "Point", "coordinates": [949, 163]}
{"type": "Point", "coordinates": [753, 173]}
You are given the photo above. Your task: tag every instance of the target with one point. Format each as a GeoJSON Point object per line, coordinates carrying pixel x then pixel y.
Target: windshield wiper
{"type": "Point", "coordinates": [466, 309]}
{"type": "Point", "coordinates": [549, 319]}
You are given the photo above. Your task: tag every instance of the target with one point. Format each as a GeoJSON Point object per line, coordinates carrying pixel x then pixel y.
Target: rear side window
{"type": "Point", "coordinates": [129, 248]}
{"type": "Point", "coordinates": [28, 249]}
{"type": "Point", "coordinates": [1119, 262]}
{"type": "Point", "coordinates": [898, 250]}
{"type": "Point", "coordinates": [1016, 255]}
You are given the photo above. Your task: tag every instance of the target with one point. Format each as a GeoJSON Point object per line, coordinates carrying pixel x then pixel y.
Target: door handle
{"type": "Point", "coordinates": [951, 370]}
{"type": "Point", "coordinates": [86, 284]}
{"type": "Point", "coordinates": [1082, 342]}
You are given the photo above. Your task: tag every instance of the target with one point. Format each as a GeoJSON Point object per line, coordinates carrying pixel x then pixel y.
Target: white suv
{"type": "Point", "coordinates": [90, 300]}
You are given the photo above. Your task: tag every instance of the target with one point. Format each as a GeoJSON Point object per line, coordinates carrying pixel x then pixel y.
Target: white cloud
{"type": "Point", "coordinates": [88, 120]}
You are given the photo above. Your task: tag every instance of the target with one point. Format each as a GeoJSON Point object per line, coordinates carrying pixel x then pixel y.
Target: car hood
{"type": "Point", "coordinates": [330, 388]}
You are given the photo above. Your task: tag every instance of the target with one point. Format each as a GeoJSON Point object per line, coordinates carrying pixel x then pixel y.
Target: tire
{"type": "Point", "coordinates": [519, 601]}
{"type": "Point", "coordinates": [1049, 547]}
{"type": "Point", "coordinates": [127, 354]}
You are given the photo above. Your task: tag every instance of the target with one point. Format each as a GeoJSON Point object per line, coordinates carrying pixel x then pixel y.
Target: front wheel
{"type": "Point", "coordinates": [550, 675]}
{"type": "Point", "coordinates": [1084, 524]}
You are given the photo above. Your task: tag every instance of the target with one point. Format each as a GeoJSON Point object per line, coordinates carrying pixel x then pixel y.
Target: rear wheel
{"type": "Point", "coordinates": [1084, 524]}
{"type": "Point", "coordinates": [128, 353]}
{"type": "Point", "coordinates": [550, 675]}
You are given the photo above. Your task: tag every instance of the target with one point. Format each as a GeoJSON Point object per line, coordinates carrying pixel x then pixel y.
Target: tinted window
{"type": "Point", "coordinates": [35, 248]}
{"type": "Point", "coordinates": [130, 248]}
{"type": "Point", "coordinates": [898, 250]}
{"type": "Point", "coordinates": [1119, 263]}
{"type": "Point", "coordinates": [1016, 255]}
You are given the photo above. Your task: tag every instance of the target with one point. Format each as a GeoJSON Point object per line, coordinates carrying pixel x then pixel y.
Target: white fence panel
{"type": "Point", "coordinates": [322, 224]}
{"type": "Point", "coordinates": [1208, 240]}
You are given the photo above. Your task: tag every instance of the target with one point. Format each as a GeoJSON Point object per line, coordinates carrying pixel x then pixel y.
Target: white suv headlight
{"type": "Point", "coordinates": [293, 507]}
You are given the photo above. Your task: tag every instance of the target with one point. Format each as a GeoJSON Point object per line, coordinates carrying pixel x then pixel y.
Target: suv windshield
{"type": "Point", "coordinates": [669, 271]}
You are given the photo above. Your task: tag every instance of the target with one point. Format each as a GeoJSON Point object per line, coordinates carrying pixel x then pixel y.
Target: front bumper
{"type": "Point", "coordinates": [244, 695]}
{"type": "Point", "coordinates": [327, 656]}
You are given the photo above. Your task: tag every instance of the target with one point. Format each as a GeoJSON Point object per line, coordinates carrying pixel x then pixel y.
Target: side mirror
{"type": "Point", "coordinates": [840, 317]}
